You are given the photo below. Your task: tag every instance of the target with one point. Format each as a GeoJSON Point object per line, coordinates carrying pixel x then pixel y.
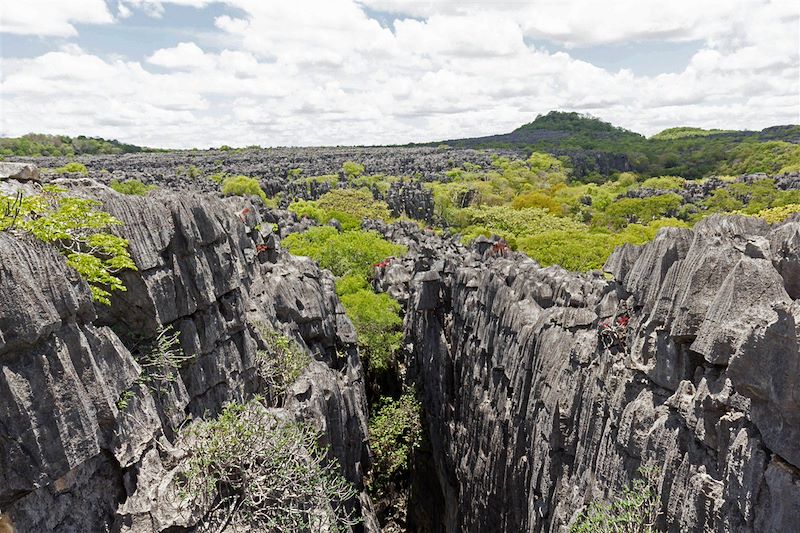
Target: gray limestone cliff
{"type": "Point", "coordinates": [72, 459]}
{"type": "Point", "coordinates": [544, 390]}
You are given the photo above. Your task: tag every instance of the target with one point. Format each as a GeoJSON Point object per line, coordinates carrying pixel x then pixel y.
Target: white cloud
{"type": "Point", "coordinates": [324, 72]}
{"type": "Point", "coordinates": [182, 56]}
{"type": "Point", "coordinates": [48, 18]}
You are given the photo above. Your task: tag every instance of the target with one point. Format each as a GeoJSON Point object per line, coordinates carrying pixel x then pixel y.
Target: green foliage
{"type": "Point", "coordinates": [78, 229]}
{"type": "Point", "coordinates": [624, 211]}
{"type": "Point", "coordinates": [664, 183]}
{"type": "Point", "coordinates": [348, 206]}
{"type": "Point", "coordinates": [634, 511]}
{"type": "Point", "coordinates": [771, 157]}
{"type": "Point", "coordinates": [244, 186]}
{"type": "Point", "coordinates": [779, 214]}
{"type": "Point", "coordinates": [539, 200]}
{"type": "Point", "coordinates": [352, 169]}
{"type": "Point", "coordinates": [134, 187]}
{"type": "Point", "coordinates": [350, 284]}
{"type": "Point", "coordinates": [259, 472]}
{"type": "Point", "coordinates": [376, 318]}
{"type": "Point", "coordinates": [281, 364]}
{"type": "Point", "coordinates": [72, 167]}
{"type": "Point", "coordinates": [526, 221]}
{"type": "Point", "coordinates": [395, 431]}
{"type": "Point", "coordinates": [218, 177]}
{"type": "Point", "coordinates": [683, 132]}
{"type": "Point", "coordinates": [347, 253]}
{"type": "Point", "coordinates": [37, 144]}
{"type": "Point", "coordinates": [587, 249]}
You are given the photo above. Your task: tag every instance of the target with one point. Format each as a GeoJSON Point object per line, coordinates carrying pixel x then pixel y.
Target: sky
{"type": "Point", "coordinates": [200, 73]}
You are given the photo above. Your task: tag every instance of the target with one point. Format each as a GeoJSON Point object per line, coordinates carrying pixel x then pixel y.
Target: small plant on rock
{"type": "Point", "coordinates": [636, 510]}
{"type": "Point", "coordinates": [280, 364]}
{"type": "Point", "coordinates": [161, 362]}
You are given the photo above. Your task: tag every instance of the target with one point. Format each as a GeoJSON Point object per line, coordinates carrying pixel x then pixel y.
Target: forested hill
{"type": "Point", "coordinates": [39, 144]}
{"type": "Point", "coordinates": [598, 149]}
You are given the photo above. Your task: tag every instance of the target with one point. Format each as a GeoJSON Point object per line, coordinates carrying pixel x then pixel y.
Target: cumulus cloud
{"type": "Point", "coordinates": [325, 72]}
{"type": "Point", "coordinates": [48, 18]}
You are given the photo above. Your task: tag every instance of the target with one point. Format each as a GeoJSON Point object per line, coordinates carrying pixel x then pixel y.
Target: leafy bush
{"type": "Point", "coordinates": [771, 157]}
{"type": "Point", "coordinates": [395, 431]}
{"type": "Point", "coordinates": [348, 206]}
{"type": "Point", "coordinates": [376, 318]}
{"type": "Point", "coordinates": [258, 472]}
{"type": "Point", "coordinates": [539, 200]}
{"type": "Point", "coordinates": [134, 187]}
{"type": "Point", "coordinates": [78, 229]}
{"type": "Point", "coordinates": [503, 219]}
{"type": "Point", "coordinates": [779, 214]}
{"type": "Point", "coordinates": [352, 169]}
{"type": "Point", "coordinates": [664, 183]}
{"type": "Point", "coordinates": [72, 167]}
{"type": "Point", "coordinates": [346, 253]}
{"type": "Point", "coordinates": [280, 364]}
{"type": "Point", "coordinates": [587, 249]}
{"type": "Point", "coordinates": [624, 211]}
{"type": "Point", "coordinates": [635, 511]}
{"type": "Point", "coordinates": [243, 186]}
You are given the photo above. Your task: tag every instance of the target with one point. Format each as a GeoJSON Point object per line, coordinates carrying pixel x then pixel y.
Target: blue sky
{"type": "Point", "coordinates": [179, 73]}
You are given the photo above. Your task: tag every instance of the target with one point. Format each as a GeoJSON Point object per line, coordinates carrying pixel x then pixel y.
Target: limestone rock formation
{"type": "Point", "coordinates": [534, 409]}
{"type": "Point", "coordinates": [73, 458]}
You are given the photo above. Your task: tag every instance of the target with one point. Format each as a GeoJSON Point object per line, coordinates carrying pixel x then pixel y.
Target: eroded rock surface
{"type": "Point", "coordinates": [532, 412]}
{"type": "Point", "coordinates": [72, 458]}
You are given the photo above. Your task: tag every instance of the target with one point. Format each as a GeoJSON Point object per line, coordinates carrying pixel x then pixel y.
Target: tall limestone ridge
{"type": "Point", "coordinates": [544, 390]}
{"type": "Point", "coordinates": [84, 444]}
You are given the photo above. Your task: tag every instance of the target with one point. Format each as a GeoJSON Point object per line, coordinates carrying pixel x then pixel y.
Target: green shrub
{"type": "Point", "coordinates": [78, 229]}
{"type": "Point", "coordinates": [376, 318]}
{"type": "Point", "coordinates": [352, 169]}
{"type": "Point", "coordinates": [243, 186]}
{"type": "Point", "coordinates": [624, 211]}
{"type": "Point", "coordinates": [354, 202]}
{"type": "Point", "coordinates": [281, 364]}
{"type": "Point", "coordinates": [133, 187]}
{"type": "Point", "coordinates": [72, 167]}
{"type": "Point", "coordinates": [525, 221]}
{"type": "Point", "coordinates": [634, 511]}
{"type": "Point", "coordinates": [539, 200]}
{"type": "Point", "coordinates": [258, 472]}
{"type": "Point", "coordinates": [779, 214]}
{"type": "Point", "coordinates": [664, 183]}
{"type": "Point", "coordinates": [395, 431]}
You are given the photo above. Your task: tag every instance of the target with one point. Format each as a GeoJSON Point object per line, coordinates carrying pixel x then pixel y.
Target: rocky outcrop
{"type": "Point", "coordinates": [410, 199]}
{"type": "Point", "coordinates": [544, 390]}
{"type": "Point", "coordinates": [73, 457]}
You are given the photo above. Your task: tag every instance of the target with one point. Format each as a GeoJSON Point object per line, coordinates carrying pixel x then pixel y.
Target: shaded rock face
{"type": "Point", "coordinates": [531, 414]}
{"type": "Point", "coordinates": [72, 459]}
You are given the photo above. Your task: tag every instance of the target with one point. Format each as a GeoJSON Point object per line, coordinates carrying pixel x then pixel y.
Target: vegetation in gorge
{"type": "Point", "coordinates": [350, 256]}
{"type": "Point", "coordinates": [79, 229]}
{"type": "Point", "coordinates": [634, 511]}
{"type": "Point", "coordinates": [395, 430]}
{"type": "Point", "coordinates": [256, 471]}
